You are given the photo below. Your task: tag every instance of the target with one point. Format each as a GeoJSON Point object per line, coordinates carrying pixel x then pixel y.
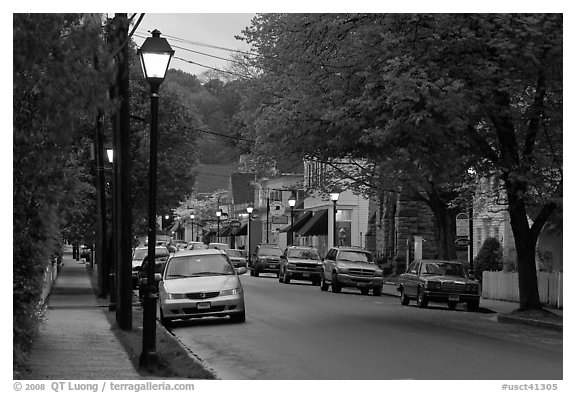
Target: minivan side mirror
{"type": "Point", "coordinates": [157, 277]}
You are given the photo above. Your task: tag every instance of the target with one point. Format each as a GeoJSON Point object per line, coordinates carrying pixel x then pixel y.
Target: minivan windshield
{"type": "Point", "coordinates": [198, 266]}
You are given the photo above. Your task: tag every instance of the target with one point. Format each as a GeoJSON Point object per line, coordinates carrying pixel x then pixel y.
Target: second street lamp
{"type": "Point", "coordinates": [292, 203]}
{"type": "Point", "coordinates": [155, 55]}
{"type": "Point", "coordinates": [334, 195]}
{"type": "Point", "coordinates": [218, 215]}
{"type": "Point", "coordinates": [249, 209]}
{"type": "Point", "coordinates": [192, 218]}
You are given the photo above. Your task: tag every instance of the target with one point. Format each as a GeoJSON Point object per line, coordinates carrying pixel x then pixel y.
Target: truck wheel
{"type": "Point", "coordinates": [336, 288]}
{"type": "Point", "coordinates": [377, 291]}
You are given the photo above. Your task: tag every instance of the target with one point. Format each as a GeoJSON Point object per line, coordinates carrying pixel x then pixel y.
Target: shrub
{"type": "Point", "coordinates": [489, 257]}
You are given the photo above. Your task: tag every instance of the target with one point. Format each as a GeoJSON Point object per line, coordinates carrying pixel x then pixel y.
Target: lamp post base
{"type": "Point", "coordinates": [149, 360]}
{"type": "Point", "coordinates": [149, 357]}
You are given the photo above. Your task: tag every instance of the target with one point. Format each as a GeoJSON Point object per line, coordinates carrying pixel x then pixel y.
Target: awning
{"type": "Point", "coordinates": [299, 223]}
{"type": "Point", "coordinates": [317, 225]}
{"type": "Point", "coordinates": [176, 227]}
{"type": "Point", "coordinates": [225, 231]}
{"type": "Point", "coordinates": [209, 232]}
{"type": "Point", "coordinates": [242, 231]}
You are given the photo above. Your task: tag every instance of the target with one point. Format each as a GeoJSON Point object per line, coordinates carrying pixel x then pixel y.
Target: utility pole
{"type": "Point", "coordinates": [100, 208]}
{"type": "Point", "coordinates": [267, 215]}
{"type": "Point", "coordinates": [124, 273]}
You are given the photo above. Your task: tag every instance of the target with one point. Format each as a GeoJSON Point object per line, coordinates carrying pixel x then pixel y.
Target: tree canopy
{"type": "Point", "coordinates": [429, 98]}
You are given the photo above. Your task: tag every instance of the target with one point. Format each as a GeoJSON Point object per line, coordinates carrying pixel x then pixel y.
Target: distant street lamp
{"type": "Point", "coordinates": [249, 209]}
{"type": "Point", "coordinates": [192, 218]}
{"type": "Point", "coordinates": [110, 154]}
{"type": "Point", "coordinates": [334, 195]}
{"type": "Point", "coordinates": [155, 54]}
{"type": "Point", "coordinates": [292, 203]}
{"type": "Point", "coordinates": [218, 215]}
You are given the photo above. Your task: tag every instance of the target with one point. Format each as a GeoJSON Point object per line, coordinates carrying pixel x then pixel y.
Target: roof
{"type": "Point", "coordinates": [299, 223]}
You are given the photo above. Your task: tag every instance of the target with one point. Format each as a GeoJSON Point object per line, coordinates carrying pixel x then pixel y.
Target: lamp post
{"type": "Point", "coordinates": [111, 254]}
{"type": "Point", "coordinates": [334, 195]}
{"type": "Point", "coordinates": [249, 209]}
{"type": "Point", "coordinates": [292, 203]}
{"type": "Point", "coordinates": [218, 215]}
{"type": "Point", "coordinates": [192, 218]}
{"type": "Point", "coordinates": [155, 55]}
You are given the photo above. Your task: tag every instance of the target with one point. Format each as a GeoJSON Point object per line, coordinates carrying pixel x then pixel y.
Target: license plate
{"type": "Point", "coordinates": [306, 275]}
{"type": "Point", "coordinates": [272, 266]}
{"type": "Point", "coordinates": [203, 305]}
{"type": "Point", "coordinates": [453, 298]}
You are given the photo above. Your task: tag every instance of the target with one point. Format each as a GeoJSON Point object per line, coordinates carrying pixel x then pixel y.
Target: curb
{"type": "Point", "coordinates": [531, 322]}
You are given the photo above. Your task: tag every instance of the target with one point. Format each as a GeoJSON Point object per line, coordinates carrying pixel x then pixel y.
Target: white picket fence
{"type": "Point", "coordinates": [504, 286]}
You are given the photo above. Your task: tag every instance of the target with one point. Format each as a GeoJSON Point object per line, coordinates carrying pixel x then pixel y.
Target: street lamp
{"type": "Point", "coordinates": [249, 209]}
{"type": "Point", "coordinates": [155, 54]}
{"type": "Point", "coordinates": [292, 203]}
{"type": "Point", "coordinates": [110, 154]}
{"type": "Point", "coordinates": [192, 218]}
{"type": "Point", "coordinates": [334, 195]}
{"type": "Point", "coordinates": [218, 215]}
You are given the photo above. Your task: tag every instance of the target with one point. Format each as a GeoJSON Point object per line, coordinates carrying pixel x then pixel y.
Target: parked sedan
{"type": "Point", "coordinates": [201, 283]}
{"type": "Point", "coordinates": [143, 275]}
{"type": "Point", "coordinates": [438, 281]}
{"type": "Point", "coordinates": [138, 255]}
{"type": "Point", "coordinates": [236, 257]}
{"type": "Point", "coordinates": [300, 263]}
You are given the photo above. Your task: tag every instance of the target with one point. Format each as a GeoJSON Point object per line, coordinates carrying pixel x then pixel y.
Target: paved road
{"type": "Point", "coordinates": [296, 331]}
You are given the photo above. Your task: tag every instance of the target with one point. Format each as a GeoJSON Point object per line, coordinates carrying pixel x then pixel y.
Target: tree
{"type": "Point", "coordinates": [178, 153]}
{"type": "Point", "coordinates": [55, 91]}
{"type": "Point", "coordinates": [428, 97]}
{"type": "Point", "coordinates": [489, 257]}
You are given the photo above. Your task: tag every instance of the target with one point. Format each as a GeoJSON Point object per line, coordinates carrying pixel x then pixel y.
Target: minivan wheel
{"type": "Point", "coordinates": [286, 278]}
{"type": "Point", "coordinates": [364, 291]}
{"type": "Point", "coordinates": [256, 273]}
{"type": "Point", "coordinates": [377, 291]}
{"type": "Point", "coordinates": [238, 317]}
{"type": "Point", "coordinates": [164, 321]}
{"type": "Point", "coordinates": [452, 305]}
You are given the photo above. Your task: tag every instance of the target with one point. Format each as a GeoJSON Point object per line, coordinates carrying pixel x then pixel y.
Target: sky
{"type": "Point", "coordinates": [199, 30]}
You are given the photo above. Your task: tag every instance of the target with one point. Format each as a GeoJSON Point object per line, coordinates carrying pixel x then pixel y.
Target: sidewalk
{"type": "Point", "coordinates": [76, 341]}
{"type": "Point", "coordinates": [502, 308]}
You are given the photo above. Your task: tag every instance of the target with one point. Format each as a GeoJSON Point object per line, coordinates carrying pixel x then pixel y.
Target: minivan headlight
{"type": "Point", "coordinates": [229, 292]}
